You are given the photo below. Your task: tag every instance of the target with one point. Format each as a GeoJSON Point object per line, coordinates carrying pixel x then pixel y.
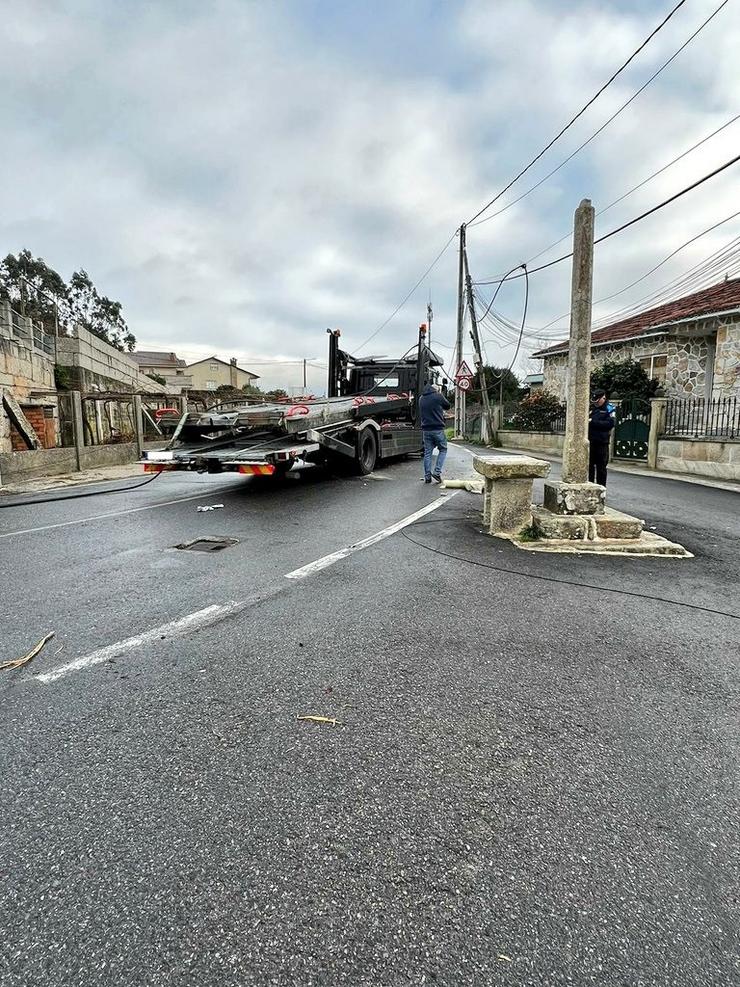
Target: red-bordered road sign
{"type": "Point", "coordinates": [464, 370]}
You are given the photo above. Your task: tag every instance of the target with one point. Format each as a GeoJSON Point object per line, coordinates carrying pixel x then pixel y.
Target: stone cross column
{"type": "Point", "coordinates": [575, 450]}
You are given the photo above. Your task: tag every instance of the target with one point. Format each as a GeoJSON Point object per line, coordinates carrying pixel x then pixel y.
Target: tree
{"type": "Point", "coordinates": [33, 287]}
{"type": "Point", "coordinates": [512, 389]}
{"type": "Point", "coordinates": [537, 412]}
{"type": "Point", "coordinates": [251, 390]}
{"type": "Point", "coordinates": [41, 293]}
{"type": "Point", "coordinates": [623, 379]}
{"type": "Point", "coordinates": [158, 378]}
{"type": "Point", "coordinates": [278, 394]}
{"type": "Point", "coordinates": [97, 313]}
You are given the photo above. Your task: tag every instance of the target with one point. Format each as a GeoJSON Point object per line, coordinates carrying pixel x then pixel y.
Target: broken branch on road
{"type": "Point", "coordinates": [29, 656]}
{"type": "Point", "coordinates": [321, 719]}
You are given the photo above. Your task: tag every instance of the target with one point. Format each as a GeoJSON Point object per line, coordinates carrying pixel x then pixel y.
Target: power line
{"type": "Point", "coordinates": [641, 184]}
{"type": "Point", "coordinates": [398, 308]}
{"type": "Point", "coordinates": [713, 260]}
{"type": "Point", "coordinates": [566, 582]}
{"type": "Point", "coordinates": [581, 111]}
{"type": "Point", "coordinates": [611, 118]}
{"type": "Point", "coordinates": [91, 493]}
{"type": "Point", "coordinates": [726, 259]}
{"type": "Point", "coordinates": [631, 222]}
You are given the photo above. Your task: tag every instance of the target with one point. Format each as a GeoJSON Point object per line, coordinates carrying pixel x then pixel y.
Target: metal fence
{"type": "Point", "coordinates": [698, 418]}
{"type": "Point", "coordinates": [13, 325]}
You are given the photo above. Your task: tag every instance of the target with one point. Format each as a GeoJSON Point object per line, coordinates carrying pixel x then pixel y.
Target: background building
{"type": "Point", "coordinates": [690, 345]}
{"type": "Point", "coordinates": [212, 373]}
{"type": "Point", "coordinates": [166, 365]}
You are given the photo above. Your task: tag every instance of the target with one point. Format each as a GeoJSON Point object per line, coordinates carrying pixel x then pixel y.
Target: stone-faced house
{"type": "Point", "coordinates": [690, 345]}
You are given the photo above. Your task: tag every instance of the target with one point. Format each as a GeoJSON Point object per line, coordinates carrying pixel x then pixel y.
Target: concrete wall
{"type": "Point", "coordinates": [18, 466]}
{"type": "Point", "coordinates": [547, 442]}
{"type": "Point", "coordinates": [94, 364]}
{"type": "Point", "coordinates": [23, 370]}
{"type": "Point", "coordinates": [703, 457]}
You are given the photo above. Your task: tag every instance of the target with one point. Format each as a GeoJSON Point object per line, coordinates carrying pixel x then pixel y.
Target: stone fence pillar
{"type": "Point", "coordinates": [657, 427]}
{"type": "Point", "coordinates": [78, 430]}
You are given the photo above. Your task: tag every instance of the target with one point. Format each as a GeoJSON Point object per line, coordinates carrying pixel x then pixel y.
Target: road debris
{"type": "Point", "coordinates": [24, 659]}
{"type": "Point", "coordinates": [472, 485]}
{"type": "Point", "coordinates": [209, 507]}
{"type": "Point", "coordinates": [321, 719]}
{"type": "Point", "coordinates": [503, 958]}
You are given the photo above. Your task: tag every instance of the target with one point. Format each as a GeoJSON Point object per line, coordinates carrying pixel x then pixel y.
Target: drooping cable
{"type": "Point", "coordinates": [580, 113]}
{"type": "Point", "coordinates": [629, 223]}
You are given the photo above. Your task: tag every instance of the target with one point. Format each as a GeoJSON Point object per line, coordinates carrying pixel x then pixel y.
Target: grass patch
{"type": "Point", "coordinates": [529, 533]}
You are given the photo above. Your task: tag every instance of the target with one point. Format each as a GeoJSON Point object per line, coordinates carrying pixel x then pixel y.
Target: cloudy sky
{"type": "Point", "coordinates": [242, 174]}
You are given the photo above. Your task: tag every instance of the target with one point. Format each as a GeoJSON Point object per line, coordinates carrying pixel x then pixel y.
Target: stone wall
{"type": "Point", "coordinates": [686, 371]}
{"type": "Point", "coordinates": [547, 442]}
{"type": "Point", "coordinates": [702, 457]}
{"type": "Point", "coordinates": [727, 360]}
{"type": "Point", "coordinates": [555, 375]}
{"type": "Point", "coordinates": [689, 351]}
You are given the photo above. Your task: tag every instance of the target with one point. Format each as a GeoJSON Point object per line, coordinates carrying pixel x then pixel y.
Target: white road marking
{"type": "Point", "coordinates": [327, 560]}
{"type": "Point", "coordinates": [175, 628]}
{"type": "Point", "coordinates": [100, 517]}
{"type": "Point", "coordinates": [216, 612]}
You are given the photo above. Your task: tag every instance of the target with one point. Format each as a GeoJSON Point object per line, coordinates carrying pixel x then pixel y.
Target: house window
{"type": "Point", "coordinates": [655, 366]}
{"type": "Point", "coordinates": [210, 385]}
{"type": "Point", "coordinates": [213, 367]}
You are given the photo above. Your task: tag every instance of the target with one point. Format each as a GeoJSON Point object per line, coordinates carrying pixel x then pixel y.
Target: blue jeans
{"type": "Point", "coordinates": [434, 440]}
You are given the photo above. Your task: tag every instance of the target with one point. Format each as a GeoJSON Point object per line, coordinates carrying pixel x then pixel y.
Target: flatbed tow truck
{"type": "Point", "coordinates": [370, 414]}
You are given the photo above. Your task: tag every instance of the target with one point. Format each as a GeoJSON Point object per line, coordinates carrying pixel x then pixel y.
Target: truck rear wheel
{"type": "Point", "coordinates": [367, 452]}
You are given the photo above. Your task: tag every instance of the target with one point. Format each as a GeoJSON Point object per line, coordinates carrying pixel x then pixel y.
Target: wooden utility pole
{"type": "Point", "coordinates": [430, 316]}
{"type": "Point", "coordinates": [475, 336]}
{"type": "Point", "coordinates": [304, 375]}
{"type": "Point", "coordinates": [459, 393]}
{"type": "Point", "coordinates": [575, 449]}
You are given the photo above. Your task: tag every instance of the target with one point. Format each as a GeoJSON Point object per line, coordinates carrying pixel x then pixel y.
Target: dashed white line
{"type": "Point", "coordinates": [343, 553]}
{"type": "Point", "coordinates": [175, 628]}
{"type": "Point", "coordinates": [216, 612]}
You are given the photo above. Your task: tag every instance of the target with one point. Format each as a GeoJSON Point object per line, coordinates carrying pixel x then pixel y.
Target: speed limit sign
{"type": "Point", "coordinates": [463, 383]}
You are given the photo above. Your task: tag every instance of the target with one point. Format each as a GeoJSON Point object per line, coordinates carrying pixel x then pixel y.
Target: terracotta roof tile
{"type": "Point", "coordinates": [719, 298]}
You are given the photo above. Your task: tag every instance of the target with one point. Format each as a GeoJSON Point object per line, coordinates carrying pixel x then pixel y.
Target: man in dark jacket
{"type": "Point", "coordinates": [432, 406]}
{"type": "Point", "coordinates": [600, 425]}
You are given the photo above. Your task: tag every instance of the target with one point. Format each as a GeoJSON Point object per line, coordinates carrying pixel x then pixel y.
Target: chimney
{"type": "Point", "coordinates": [233, 375]}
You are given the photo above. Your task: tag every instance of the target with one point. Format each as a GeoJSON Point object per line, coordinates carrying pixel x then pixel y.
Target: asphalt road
{"type": "Point", "coordinates": [532, 781]}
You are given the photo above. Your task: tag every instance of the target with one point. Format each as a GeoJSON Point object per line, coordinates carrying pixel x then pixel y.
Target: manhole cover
{"type": "Point", "coordinates": [208, 544]}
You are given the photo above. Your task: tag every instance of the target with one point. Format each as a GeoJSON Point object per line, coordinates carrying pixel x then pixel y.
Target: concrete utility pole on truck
{"type": "Point", "coordinates": [369, 414]}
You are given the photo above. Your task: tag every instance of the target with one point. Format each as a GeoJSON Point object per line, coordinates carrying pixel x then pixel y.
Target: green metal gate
{"type": "Point", "coordinates": [632, 429]}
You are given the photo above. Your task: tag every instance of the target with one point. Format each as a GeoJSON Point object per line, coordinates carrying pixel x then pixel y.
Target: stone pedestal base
{"type": "Point", "coordinates": [586, 527]}
{"type": "Point", "coordinates": [507, 505]}
{"type": "Point", "coordinates": [574, 498]}
{"type": "Point", "coordinates": [608, 533]}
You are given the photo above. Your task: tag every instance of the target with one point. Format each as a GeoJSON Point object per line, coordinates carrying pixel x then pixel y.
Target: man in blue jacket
{"type": "Point", "coordinates": [600, 425]}
{"type": "Point", "coordinates": [432, 406]}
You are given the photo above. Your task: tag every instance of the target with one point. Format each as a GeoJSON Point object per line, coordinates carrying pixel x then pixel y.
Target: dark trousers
{"type": "Point", "coordinates": [598, 457]}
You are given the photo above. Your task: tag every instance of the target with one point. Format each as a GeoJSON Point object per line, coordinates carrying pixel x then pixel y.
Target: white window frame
{"type": "Point", "coordinates": [652, 358]}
